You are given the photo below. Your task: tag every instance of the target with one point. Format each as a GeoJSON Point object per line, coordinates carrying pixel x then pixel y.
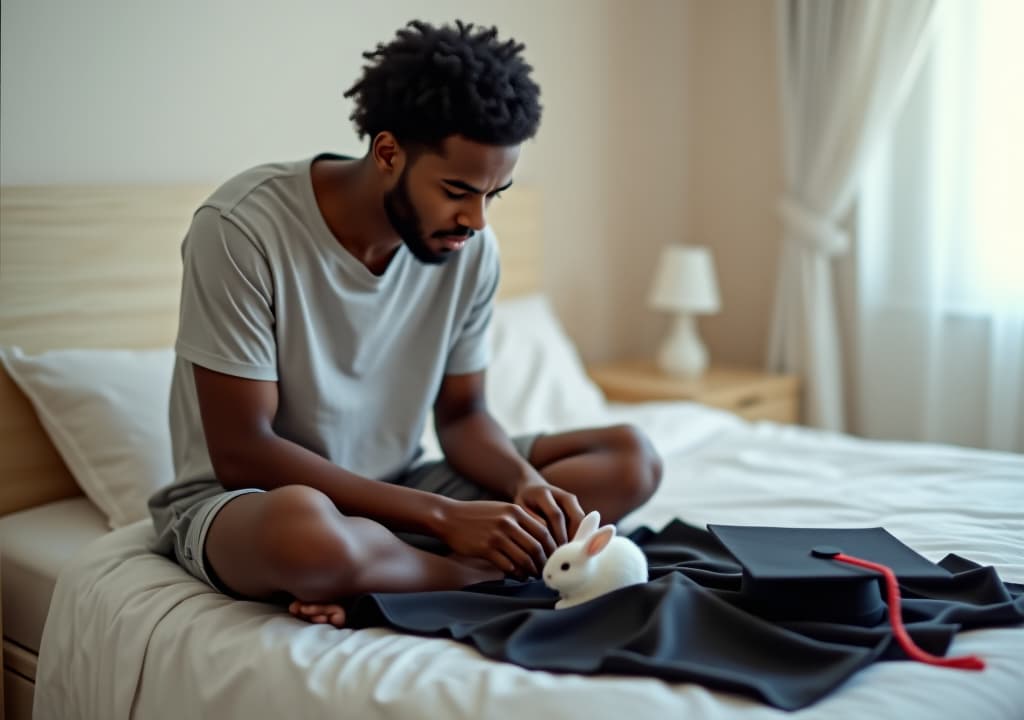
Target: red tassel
{"type": "Point", "coordinates": [967, 662]}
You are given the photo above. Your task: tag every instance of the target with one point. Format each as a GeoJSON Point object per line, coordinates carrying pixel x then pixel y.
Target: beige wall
{"type": "Point", "coordinates": [698, 162]}
{"type": "Point", "coordinates": [652, 170]}
{"type": "Point", "coordinates": [659, 125]}
{"type": "Point", "coordinates": [736, 170]}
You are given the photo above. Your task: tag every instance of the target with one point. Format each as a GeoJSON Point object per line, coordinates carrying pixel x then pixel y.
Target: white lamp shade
{"type": "Point", "coordinates": [685, 280]}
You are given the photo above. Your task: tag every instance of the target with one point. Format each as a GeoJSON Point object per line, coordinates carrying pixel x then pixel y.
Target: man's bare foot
{"type": "Point", "coordinates": [318, 613]}
{"type": "Point", "coordinates": [472, 570]}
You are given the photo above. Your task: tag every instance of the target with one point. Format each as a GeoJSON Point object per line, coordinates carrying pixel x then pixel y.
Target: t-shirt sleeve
{"type": "Point", "coordinates": [471, 351]}
{"type": "Point", "coordinates": [227, 310]}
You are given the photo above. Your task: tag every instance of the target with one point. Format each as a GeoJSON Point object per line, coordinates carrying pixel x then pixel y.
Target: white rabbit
{"type": "Point", "coordinates": [595, 562]}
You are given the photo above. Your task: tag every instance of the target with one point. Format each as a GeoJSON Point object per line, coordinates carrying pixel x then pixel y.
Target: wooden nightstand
{"type": "Point", "coordinates": [753, 394]}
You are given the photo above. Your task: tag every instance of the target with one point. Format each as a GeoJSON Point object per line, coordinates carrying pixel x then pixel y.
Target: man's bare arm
{"type": "Point", "coordinates": [245, 451]}
{"type": "Point", "coordinates": [480, 450]}
{"type": "Point", "coordinates": [473, 442]}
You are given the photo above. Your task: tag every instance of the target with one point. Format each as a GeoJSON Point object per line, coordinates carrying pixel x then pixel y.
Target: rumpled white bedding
{"type": "Point", "coordinates": [131, 635]}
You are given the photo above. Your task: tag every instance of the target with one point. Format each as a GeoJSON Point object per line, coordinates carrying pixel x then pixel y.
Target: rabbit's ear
{"type": "Point", "coordinates": [599, 540]}
{"type": "Point", "coordinates": [588, 525]}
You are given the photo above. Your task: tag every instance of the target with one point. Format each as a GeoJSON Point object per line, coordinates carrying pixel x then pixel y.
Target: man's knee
{"type": "Point", "coordinates": [307, 545]}
{"type": "Point", "coordinates": [640, 463]}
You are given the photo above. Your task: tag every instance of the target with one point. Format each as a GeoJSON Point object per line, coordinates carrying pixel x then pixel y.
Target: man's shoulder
{"type": "Point", "coordinates": [270, 180]}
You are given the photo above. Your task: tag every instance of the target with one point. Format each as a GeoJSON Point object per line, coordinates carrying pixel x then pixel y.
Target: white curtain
{"type": "Point", "coordinates": [844, 66]}
{"type": "Point", "coordinates": [939, 264]}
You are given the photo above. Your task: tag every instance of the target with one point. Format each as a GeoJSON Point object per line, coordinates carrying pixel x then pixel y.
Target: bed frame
{"type": "Point", "coordinates": [98, 267]}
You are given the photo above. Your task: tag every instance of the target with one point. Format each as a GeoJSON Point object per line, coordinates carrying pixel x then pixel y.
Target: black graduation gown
{"type": "Point", "coordinates": [691, 623]}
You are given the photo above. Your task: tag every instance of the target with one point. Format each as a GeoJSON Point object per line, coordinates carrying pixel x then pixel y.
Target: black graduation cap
{"type": "Point", "coordinates": [830, 575]}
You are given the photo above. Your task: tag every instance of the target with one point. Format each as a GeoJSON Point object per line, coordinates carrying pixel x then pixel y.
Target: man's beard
{"type": "Point", "coordinates": [406, 222]}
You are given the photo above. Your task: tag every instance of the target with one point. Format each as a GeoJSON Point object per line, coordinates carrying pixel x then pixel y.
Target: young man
{"type": "Point", "coordinates": [327, 305]}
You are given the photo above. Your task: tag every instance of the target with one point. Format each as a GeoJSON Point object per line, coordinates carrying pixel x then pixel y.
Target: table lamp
{"type": "Point", "coordinates": [685, 285]}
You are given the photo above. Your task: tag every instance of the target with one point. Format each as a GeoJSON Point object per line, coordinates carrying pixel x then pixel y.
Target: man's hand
{"type": "Point", "coordinates": [502, 533]}
{"type": "Point", "coordinates": [557, 507]}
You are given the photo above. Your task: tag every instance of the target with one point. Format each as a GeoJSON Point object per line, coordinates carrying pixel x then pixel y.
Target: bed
{"type": "Point", "coordinates": [96, 627]}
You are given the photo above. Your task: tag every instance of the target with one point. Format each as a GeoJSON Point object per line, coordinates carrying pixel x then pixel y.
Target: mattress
{"type": "Point", "coordinates": [132, 635]}
{"type": "Point", "coordinates": [35, 545]}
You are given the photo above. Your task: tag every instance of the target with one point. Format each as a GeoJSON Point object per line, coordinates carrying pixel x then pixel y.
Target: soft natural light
{"type": "Point", "coordinates": [999, 157]}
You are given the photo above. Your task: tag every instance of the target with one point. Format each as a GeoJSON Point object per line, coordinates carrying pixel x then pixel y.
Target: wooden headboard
{"type": "Point", "coordinates": [99, 267]}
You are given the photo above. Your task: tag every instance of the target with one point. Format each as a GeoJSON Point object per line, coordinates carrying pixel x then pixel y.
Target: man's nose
{"type": "Point", "coordinates": [474, 216]}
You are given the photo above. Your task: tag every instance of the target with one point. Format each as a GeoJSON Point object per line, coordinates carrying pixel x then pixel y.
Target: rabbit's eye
{"type": "Point", "coordinates": [565, 566]}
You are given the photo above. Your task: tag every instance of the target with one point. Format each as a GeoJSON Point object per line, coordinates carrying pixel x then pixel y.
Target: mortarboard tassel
{"type": "Point", "coordinates": [966, 662]}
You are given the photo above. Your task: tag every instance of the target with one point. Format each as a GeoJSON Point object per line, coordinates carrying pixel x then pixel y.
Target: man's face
{"type": "Point", "coordinates": [440, 200]}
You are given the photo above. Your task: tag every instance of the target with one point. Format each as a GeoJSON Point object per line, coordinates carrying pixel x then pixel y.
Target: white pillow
{"type": "Point", "coordinates": [106, 413]}
{"type": "Point", "coordinates": [536, 380]}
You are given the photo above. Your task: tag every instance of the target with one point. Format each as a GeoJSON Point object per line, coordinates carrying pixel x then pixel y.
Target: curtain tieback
{"type": "Point", "coordinates": [811, 229]}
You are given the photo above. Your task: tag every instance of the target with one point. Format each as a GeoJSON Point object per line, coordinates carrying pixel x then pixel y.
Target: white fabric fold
{"type": "Point", "coordinates": [844, 67]}
{"type": "Point", "coordinates": [811, 229]}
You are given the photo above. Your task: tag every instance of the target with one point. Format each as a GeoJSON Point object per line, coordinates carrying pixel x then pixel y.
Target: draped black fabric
{"type": "Point", "coordinates": [689, 623]}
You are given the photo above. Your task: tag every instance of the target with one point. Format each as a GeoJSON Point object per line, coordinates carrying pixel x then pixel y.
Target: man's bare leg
{"type": "Point", "coordinates": [334, 613]}
{"type": "Point", "coordinates": [293, 540]}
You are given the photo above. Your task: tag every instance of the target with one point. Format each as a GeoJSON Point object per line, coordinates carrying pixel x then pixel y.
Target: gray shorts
{"type": "Point", "coordinates": [182, 513]}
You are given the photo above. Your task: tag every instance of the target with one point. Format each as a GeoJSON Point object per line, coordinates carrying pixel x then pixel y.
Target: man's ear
{"type": "Point", "coordinates": [387, 153]}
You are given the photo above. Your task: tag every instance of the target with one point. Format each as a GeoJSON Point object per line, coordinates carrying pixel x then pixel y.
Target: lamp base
{"type": "Point", "coordinates": [683, 353]}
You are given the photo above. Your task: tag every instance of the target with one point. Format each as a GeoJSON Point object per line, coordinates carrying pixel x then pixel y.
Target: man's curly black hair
{"type": "Point", "coordinates": [430, 83]}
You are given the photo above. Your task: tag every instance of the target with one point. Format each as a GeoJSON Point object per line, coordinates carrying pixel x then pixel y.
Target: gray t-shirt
{"type": "Point", "coordinates": [269, 294]}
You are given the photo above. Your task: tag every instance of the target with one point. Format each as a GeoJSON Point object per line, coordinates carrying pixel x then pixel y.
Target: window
{"type": "Point", "coordinates": [994, 173]}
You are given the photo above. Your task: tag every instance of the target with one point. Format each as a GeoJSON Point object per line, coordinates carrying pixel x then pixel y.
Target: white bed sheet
{"type": "Point", "coordinates": [131, 635]}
